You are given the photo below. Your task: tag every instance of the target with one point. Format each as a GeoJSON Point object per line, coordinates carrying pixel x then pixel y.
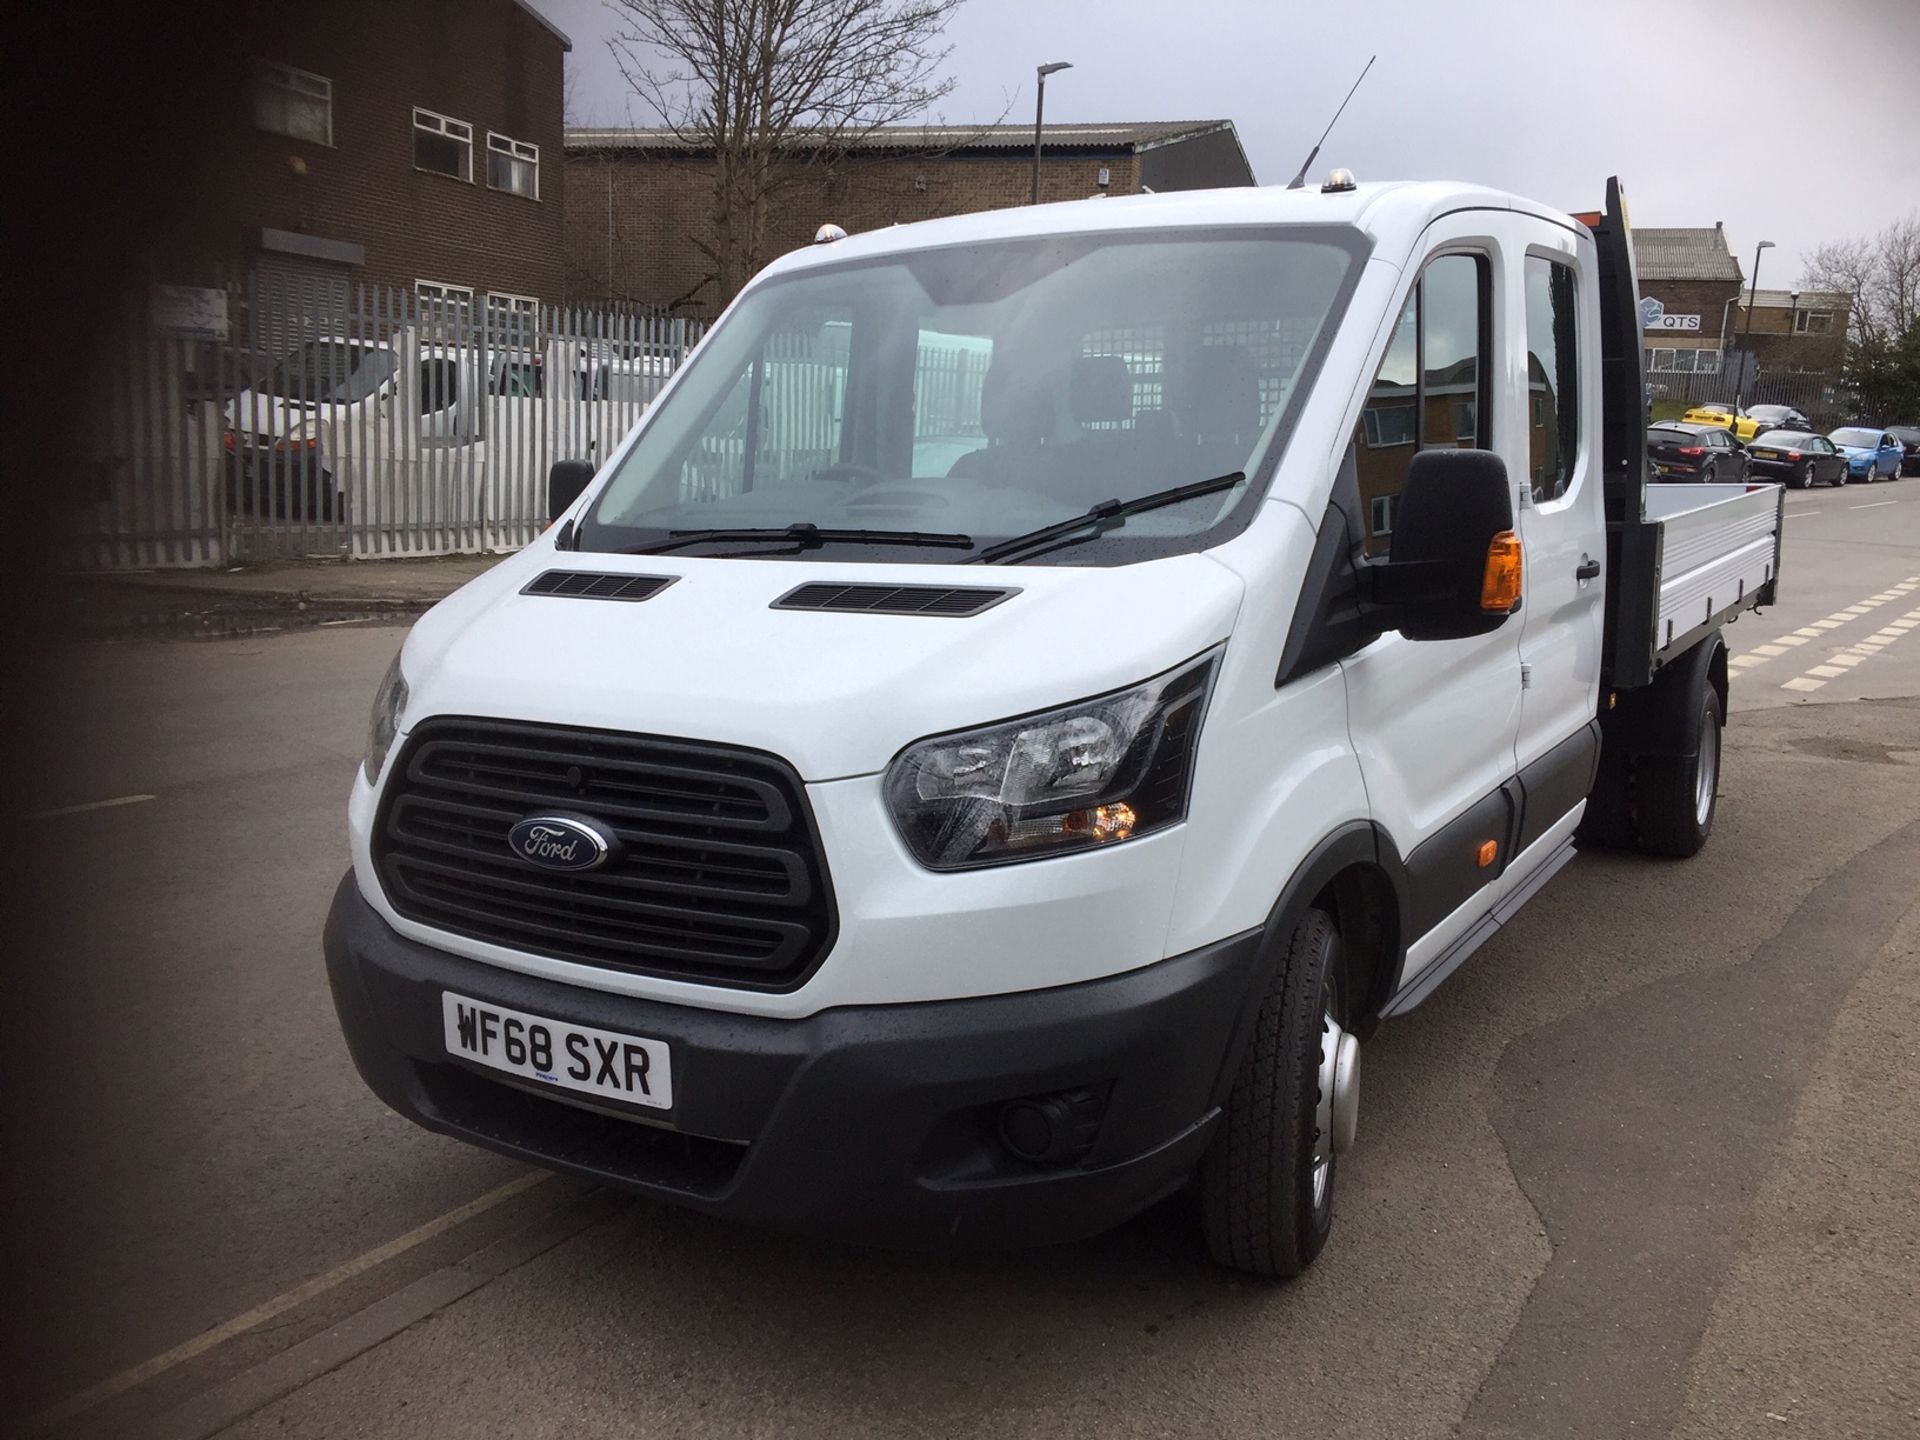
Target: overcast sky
{"type": "Point", "coordinates": [1794, 121]}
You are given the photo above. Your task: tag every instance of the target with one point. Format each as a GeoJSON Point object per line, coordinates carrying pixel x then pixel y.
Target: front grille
{"type": "Point", "coordinates": [717, 873]}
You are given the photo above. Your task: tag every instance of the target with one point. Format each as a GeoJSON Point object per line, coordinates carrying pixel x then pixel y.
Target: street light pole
{"type": "Point", "coordinates": [1746, 337]}
{"type": "Point", "coordinates": [1039, 109]}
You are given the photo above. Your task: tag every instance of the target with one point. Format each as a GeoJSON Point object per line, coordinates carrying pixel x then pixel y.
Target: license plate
{"type": "Point", "coordinates": [605, 1063]}
{"type": "Point", "coordinates": [1766, 454]}
{"type": "Point", "coordinates": [1663, 469]}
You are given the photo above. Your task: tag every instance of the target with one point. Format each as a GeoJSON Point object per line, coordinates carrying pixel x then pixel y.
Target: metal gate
{"type": "Point", "coordinates": [322, 421]}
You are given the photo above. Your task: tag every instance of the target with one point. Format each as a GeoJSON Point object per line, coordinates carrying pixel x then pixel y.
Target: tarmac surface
{"type": "Point", "coordinates": [1648, 1165]}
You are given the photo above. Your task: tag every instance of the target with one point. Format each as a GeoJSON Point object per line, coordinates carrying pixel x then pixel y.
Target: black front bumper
{"type": "Point", "coordinates": [872, 1124]}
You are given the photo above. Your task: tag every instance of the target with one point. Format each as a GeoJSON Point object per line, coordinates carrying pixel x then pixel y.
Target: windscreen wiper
{"type": "Point", "coordinates": [1117, 511]}
{"type": "Point", "coordinates": [807, 536]}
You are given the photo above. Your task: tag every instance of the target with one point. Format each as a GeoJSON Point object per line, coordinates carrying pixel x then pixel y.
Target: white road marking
{"type": "Point", "coordinates": [1843, 661]}
{"type": "Point", "coordinates": [279, 1304]}
{"type": "Point", "coordinates": [1760, 654]}
{"type": "Point", "coordinates": [1875, 506]}
{"type": "Point", "coordinates": [117, 801]}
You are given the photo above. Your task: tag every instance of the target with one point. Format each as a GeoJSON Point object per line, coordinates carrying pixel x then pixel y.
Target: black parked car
{"type": "Point", "coordinates": [1778, 417]}
{"type": "Point", "coordinates": [1797, 458]}
{"type": "Point", "coordinates": [1909, 438]}
{"type": "Point", "coordinates": [1683, 450]}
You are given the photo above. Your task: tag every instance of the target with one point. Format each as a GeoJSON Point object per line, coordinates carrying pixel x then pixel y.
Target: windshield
{"type": "Point", "coordinates": [992, 389]}
{"type": "Point", "coordinates": [1860, 439]}
{"type": "Point", "coordinates": [330, 370]}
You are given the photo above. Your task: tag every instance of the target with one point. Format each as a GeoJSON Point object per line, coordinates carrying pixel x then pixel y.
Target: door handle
{"type": "Point", "coordinates": [1587, 569]}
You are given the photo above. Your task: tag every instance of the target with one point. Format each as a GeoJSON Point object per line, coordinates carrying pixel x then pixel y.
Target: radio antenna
{"type": "Point", "coordinates": [1300, 180]}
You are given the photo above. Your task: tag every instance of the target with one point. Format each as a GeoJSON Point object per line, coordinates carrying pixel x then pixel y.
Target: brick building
{"type": "Point", "coordinates": [1696, 280]}
{"type": "Point", "coordinates": [415, 144]}
{"type": "Point", "coordinates": [638, 199]}
{"type": "Point", "coordinates": [1701, 316]}
{"type": "Point", "coordinates": [1795, 329]}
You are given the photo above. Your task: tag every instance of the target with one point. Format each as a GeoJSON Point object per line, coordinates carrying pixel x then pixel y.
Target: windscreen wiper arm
{"type": "Point", "coordinates": [1116, 511]}
{"type": "Point", "coordinates": [806, 536]}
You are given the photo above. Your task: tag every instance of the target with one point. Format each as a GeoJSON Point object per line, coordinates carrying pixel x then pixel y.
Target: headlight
{"type": "Point", "coordinates": [1096, 773]}
{"type": "Point", "coordinates": [389, 702]}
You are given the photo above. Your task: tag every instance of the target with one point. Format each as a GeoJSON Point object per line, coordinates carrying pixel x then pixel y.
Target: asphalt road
{"type": "Point", "coordinates": [1650, 1164]}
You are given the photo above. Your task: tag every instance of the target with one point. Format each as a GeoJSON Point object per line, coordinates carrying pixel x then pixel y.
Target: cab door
{"type": "Point", "coordinates": [1563, 532]}
{"type": "Point", "coordinates": [1433, 722]}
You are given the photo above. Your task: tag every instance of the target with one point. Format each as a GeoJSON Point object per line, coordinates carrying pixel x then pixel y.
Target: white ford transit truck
{"type": "Point", "coordinates": [1031, 696]}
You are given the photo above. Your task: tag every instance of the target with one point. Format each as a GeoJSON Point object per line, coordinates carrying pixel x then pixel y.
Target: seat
{"type": "Point", "coordinates": [1222, 406]}
{"type": "Point", "coordinates": [1014, 416]}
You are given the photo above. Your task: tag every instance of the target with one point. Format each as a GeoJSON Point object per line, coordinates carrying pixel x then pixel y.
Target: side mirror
{"type": "Point", "coordinates": [565, 482]}
{"type": "Point", "coordinates": [1454, 566]}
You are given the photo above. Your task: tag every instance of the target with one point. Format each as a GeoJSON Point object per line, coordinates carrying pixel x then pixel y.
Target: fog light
{"type": "Point", "coordinates": [1057, 1129]}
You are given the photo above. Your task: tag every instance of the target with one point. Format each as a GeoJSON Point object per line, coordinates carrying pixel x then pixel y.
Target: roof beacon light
{"type": "Point", "coordinates": [1339, 181]}
{"type": "Point", "coordinates": [828, 233]}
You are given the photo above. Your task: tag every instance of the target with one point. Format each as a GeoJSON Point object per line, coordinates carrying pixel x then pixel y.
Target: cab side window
{"type": "Point", "coordinates": [1553, 378]}
{"type": "Point", "coordinates": [1430, 390]}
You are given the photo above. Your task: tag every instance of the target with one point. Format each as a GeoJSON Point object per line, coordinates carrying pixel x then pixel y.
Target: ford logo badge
{"type": "Point", "coordinates": [560, 842]}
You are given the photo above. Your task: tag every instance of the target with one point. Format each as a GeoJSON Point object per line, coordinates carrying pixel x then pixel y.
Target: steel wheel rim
{"type": "Point", "coordinates": [1330, 1037]}
{"type": "Point", "coordinates": [1706, 777]}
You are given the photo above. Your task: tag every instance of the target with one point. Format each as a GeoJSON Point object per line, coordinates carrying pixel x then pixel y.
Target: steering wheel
{"type": "Point", "coordinates": [849, 472]}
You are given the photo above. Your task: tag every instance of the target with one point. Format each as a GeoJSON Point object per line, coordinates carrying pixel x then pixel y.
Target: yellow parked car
{"type": "Point", "coordinates": [1727, 417]}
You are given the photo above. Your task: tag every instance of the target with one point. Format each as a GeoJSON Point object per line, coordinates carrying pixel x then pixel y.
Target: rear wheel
{"type": "Point", "coordinates": [1801, 479]}
{"type": "Point", "coordinates": [1675, 795]}
{"type": "Point", "coordinates": [1267, 1182]}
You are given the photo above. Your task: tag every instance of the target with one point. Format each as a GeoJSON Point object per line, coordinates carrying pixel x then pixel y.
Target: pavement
{"type": "Point", "coordinates": [1648, 1165]}
{"type": "Point", "coordinates": [260, 599]}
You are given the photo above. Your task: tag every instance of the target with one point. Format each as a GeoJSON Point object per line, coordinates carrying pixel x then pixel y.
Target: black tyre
{"type": "Point", "coordinates": [1266, 1184]}
{"type": "Point", "coordinates": [1840, 476]}
{"type": "Point", "coordinates": [1711, 473]}
{"type": "Point", "coordinates": [1674, 797]}
{"type": "Point", "coordinates": [1802, 479]}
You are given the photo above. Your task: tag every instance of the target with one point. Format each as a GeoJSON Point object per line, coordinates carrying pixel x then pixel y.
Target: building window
{"type": "Point", "coordinates": [1380, 514]}
{"type": "Point", "coordinates": [441, 301]}
{"type": "Point", "coordinates": [442, 146]}
{"type": "Point", "coordinates": [292, 102]}
{"type": "Point", "coordinates": [1388, 424]}
{"type": "Point", "coordinates": [504, 309]}
{"type": "Point", "coordinates": [1684, 362]}
{"type": "Point", "coordinates": [513, 166]}
{"type": "Point", "coordinates": [1813, 322]}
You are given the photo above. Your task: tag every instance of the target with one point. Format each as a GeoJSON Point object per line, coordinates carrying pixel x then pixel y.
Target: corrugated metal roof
{"type": "Point", "coordinates": [1684, 255]}
{"type": "Point", "coordinates": [1116, 136]}
{"type": "Point", "coordinates": [1809, 300]}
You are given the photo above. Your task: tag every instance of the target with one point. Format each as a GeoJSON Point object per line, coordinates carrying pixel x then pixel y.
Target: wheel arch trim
{"type": "Point", "coordinates": [1355, 845]}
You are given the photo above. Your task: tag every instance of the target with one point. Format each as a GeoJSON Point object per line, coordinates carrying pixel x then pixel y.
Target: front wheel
{"type": "Point", "coordinates": [1266, 1183]}
{"type": "Point", "coordinates": [1675, 795]}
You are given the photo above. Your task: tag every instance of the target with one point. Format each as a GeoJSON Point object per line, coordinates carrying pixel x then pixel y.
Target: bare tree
{"type": "Point", "coordinates": [772, 89]}
{"type": "Point", "coordinates": [1882, 273]}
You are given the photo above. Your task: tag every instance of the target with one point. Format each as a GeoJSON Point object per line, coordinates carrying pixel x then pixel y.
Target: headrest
{"type": "Point", "coordinates": [1010, 410]}
{"type": "Point", "coordinates": [1101, 389]}
{"type": "Point", "coordinates": [1224, 396]}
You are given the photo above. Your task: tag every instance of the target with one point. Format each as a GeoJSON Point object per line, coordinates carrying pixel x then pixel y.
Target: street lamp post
{"type": "Point", "coordinates": [1039, 109]}
{"type": "Point", "coordinates": [1746, 337]}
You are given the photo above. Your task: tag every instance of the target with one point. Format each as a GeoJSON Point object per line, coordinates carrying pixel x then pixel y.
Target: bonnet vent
{"type": "Point", "coordinates": [587, 585]}
{"type": "Point", "coordinates": [949, 600]}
